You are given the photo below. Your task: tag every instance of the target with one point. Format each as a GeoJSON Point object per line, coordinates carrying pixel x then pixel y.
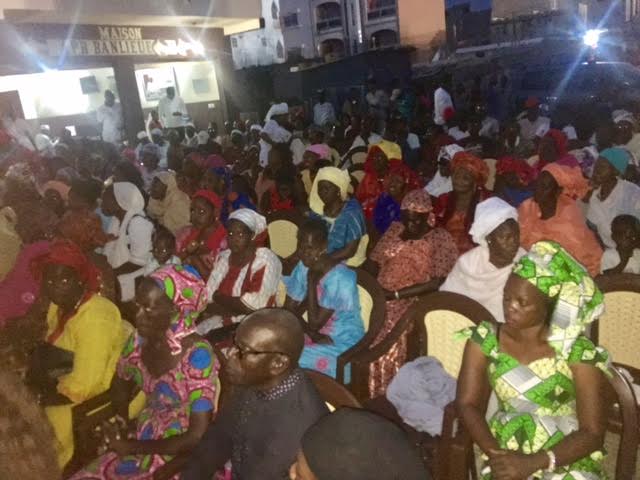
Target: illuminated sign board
{"type": "Point", "coordinates": [112, 41]}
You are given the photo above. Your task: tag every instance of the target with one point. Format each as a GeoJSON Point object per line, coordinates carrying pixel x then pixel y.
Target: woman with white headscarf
{"type": "Point", "coordinates": [245, 276]}
{"type": "Point", "coordinates": [169, 205]}
{"type": "Point", "coordinates": [482, 272]}
{"type": "Point", "coordinates": [329, 200]}
{"type": "Point", "coordinates": [131, 250]}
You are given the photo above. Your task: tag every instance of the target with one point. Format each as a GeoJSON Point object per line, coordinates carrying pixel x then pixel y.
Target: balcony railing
{"type": "Point", "coordinates": [328, 24]}
{"type": "Point", "coordinates": [382, 9]}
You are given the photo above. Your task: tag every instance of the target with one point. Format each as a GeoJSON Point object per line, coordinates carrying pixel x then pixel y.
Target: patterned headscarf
{"type": "Point", "coordinates": [559, 276]}
{"type": "Point", "coordinates": [419, 201]}
{"type": "Point", "coordinates": [188, 292]}
{"type": "Point", "coordinates": [473, 164]}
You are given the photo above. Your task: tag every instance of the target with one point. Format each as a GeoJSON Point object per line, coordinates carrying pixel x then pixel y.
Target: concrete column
{"type": "Point", "coordinates": [134, 121]}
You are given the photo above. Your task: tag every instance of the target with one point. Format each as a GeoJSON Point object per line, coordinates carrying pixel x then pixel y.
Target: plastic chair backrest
{"type": "Point", "coordinates": [441, 326]}
{"type": "Point", "coordinates": [361, 254]}
{"type": "Point", "coordinates": [366, 306]}
{"type": "Point", "coordinates": [616, 330]}
{"type": "Point", "coordinates": [358, 175]}
{"type": "Point", "coordinates": [358, 158]}
{"type": "Point", "coordinates": [283, 237]}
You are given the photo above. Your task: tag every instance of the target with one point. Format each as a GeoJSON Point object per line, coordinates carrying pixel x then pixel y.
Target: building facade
{"type": "Point", "coordinates": [65, 53]}
{"type": "Point", "coordinates": [299, 30]}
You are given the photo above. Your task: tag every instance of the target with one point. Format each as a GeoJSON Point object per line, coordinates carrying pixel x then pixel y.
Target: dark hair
{"type": "Point", "coordinates": [628, 221]}
{"type": "Point", "coordinates": [357, 444]}
{"type": "Point", "coordinates": [87, 189]}
{"type": "Point", "coordinates": [321, 163]}
{"type": "Point", "coordinates": [316, 228]}
{"type": "Point", "coordinates": [285, 177]}
{"type": "Point", "coordinates": [130, 173]}
{"type": "Point", "coordinates": [162, 232]}
{"type": "Point", "coordinates": [284, 151]}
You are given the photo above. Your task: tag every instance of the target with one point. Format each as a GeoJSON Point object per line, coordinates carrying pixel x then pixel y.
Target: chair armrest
{"type": "Point", "coordinates": [345, 358]}
{"type": "Point", "coordinates": [172, 468]}
{"type": "Point", "coordinates": [361, 360]}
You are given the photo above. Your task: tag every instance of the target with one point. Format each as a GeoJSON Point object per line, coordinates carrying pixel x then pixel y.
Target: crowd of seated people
{"type": "Point", "coordinates": [160, 286]}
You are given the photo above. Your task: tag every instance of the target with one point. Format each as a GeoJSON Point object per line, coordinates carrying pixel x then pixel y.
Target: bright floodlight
{"type": "Point", "coordinates": [592, 37]}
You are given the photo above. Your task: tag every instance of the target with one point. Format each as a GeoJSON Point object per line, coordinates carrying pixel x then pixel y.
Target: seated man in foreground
{"type": "Point", "coordinates": [259, 429]}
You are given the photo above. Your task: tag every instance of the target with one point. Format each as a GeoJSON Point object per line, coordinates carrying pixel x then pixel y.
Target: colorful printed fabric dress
{"type": "Point", "coordinates": [191, 386]}
{"type": "Point", "coordinates": [337, 291]}
{"type": "Point", "coordinates": [537, 402]}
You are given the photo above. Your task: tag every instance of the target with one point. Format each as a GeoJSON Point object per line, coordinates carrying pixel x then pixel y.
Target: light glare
{"type": "Point", "coordinates": [592, 37]}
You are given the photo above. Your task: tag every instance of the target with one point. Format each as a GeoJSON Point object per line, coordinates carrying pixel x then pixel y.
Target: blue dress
{"type": "Point", "coordinates": [347, 227]}
{"type": "Point", "coordinates": [337, 291]}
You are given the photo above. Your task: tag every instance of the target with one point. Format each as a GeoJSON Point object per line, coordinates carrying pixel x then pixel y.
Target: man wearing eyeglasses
{"type": "Point", "coordinates": [273, 403]}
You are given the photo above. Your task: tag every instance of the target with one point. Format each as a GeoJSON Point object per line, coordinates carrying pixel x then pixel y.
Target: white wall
{"type": "Point", "coordinates": [58, 93]}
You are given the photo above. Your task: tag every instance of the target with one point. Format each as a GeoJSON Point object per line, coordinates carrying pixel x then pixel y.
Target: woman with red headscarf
{"type": "Point", "coordinates": [552, 214]}
{"type": "Point", "coordinates": [79, 321]}
{"type": "Point", "coordinates": [199, 244]}
{"type": "Point", "coordinates": [455, 210]}
{"type": "Point", "coordinates": [513, 180]}
{"type": "Point", "coordinates": [554, 148]}
{"type": "Point", "coordinates": [382, 159]}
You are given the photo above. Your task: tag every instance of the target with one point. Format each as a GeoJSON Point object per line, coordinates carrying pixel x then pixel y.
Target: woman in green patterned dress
{"type": "Point", "coordinates": [547, 375]}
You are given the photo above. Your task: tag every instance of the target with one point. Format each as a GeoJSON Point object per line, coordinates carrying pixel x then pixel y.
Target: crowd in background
{"type": "Point", "coordinates": [130, 267]}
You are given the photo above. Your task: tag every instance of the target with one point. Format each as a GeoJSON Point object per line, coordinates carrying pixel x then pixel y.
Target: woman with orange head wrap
{"type": "Point", "coordinates": [552, 214]}
{"type": "Point", "coordinates": [455, 210]}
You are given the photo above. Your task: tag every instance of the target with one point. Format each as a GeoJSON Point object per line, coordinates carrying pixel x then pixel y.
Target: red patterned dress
{"type": "Point", "coordinates": [404, 263]}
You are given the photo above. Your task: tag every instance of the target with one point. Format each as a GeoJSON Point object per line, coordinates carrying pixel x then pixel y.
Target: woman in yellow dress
{"type": "Point", "coordinates": [82, 322]}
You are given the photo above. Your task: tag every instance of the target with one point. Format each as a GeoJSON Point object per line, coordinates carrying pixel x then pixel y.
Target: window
{"type": "Point", "coordinates": [274, 10]}
{"type": "Point", "coordinates": [382, 8]}
{"type": "Point", "coordinates": [234, 42]}
{"type": "Point", "coordinates": [264, 41]}
{"type": "Point", "coordinates": [290, 20]}
{"type": "Point", "coordinates": [280, 49]}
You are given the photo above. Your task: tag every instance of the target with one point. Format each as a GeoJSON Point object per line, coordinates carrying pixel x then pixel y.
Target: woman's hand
{"type": "Point", "coordinates": [507, 465]}
{"type": "Point", "coordinates": [115, 433]}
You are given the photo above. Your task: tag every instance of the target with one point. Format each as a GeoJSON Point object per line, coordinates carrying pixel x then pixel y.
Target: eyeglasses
{"type": "Point", "coordinates": [244, 351]}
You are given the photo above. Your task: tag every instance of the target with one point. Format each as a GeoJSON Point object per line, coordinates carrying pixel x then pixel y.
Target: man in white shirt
{"type": "Point", "coordinates": [367, 135]}
{"type": "Point", "coordinates": [532, 123]}
{"type": "Point", "coordinates": [109, 115]}
{"type": "Point", "coordinates": [171, 109]}
{"type": "Point", "coordinates": [442, 102]}
{"type": "Point", "coordinates": [323, 112]}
